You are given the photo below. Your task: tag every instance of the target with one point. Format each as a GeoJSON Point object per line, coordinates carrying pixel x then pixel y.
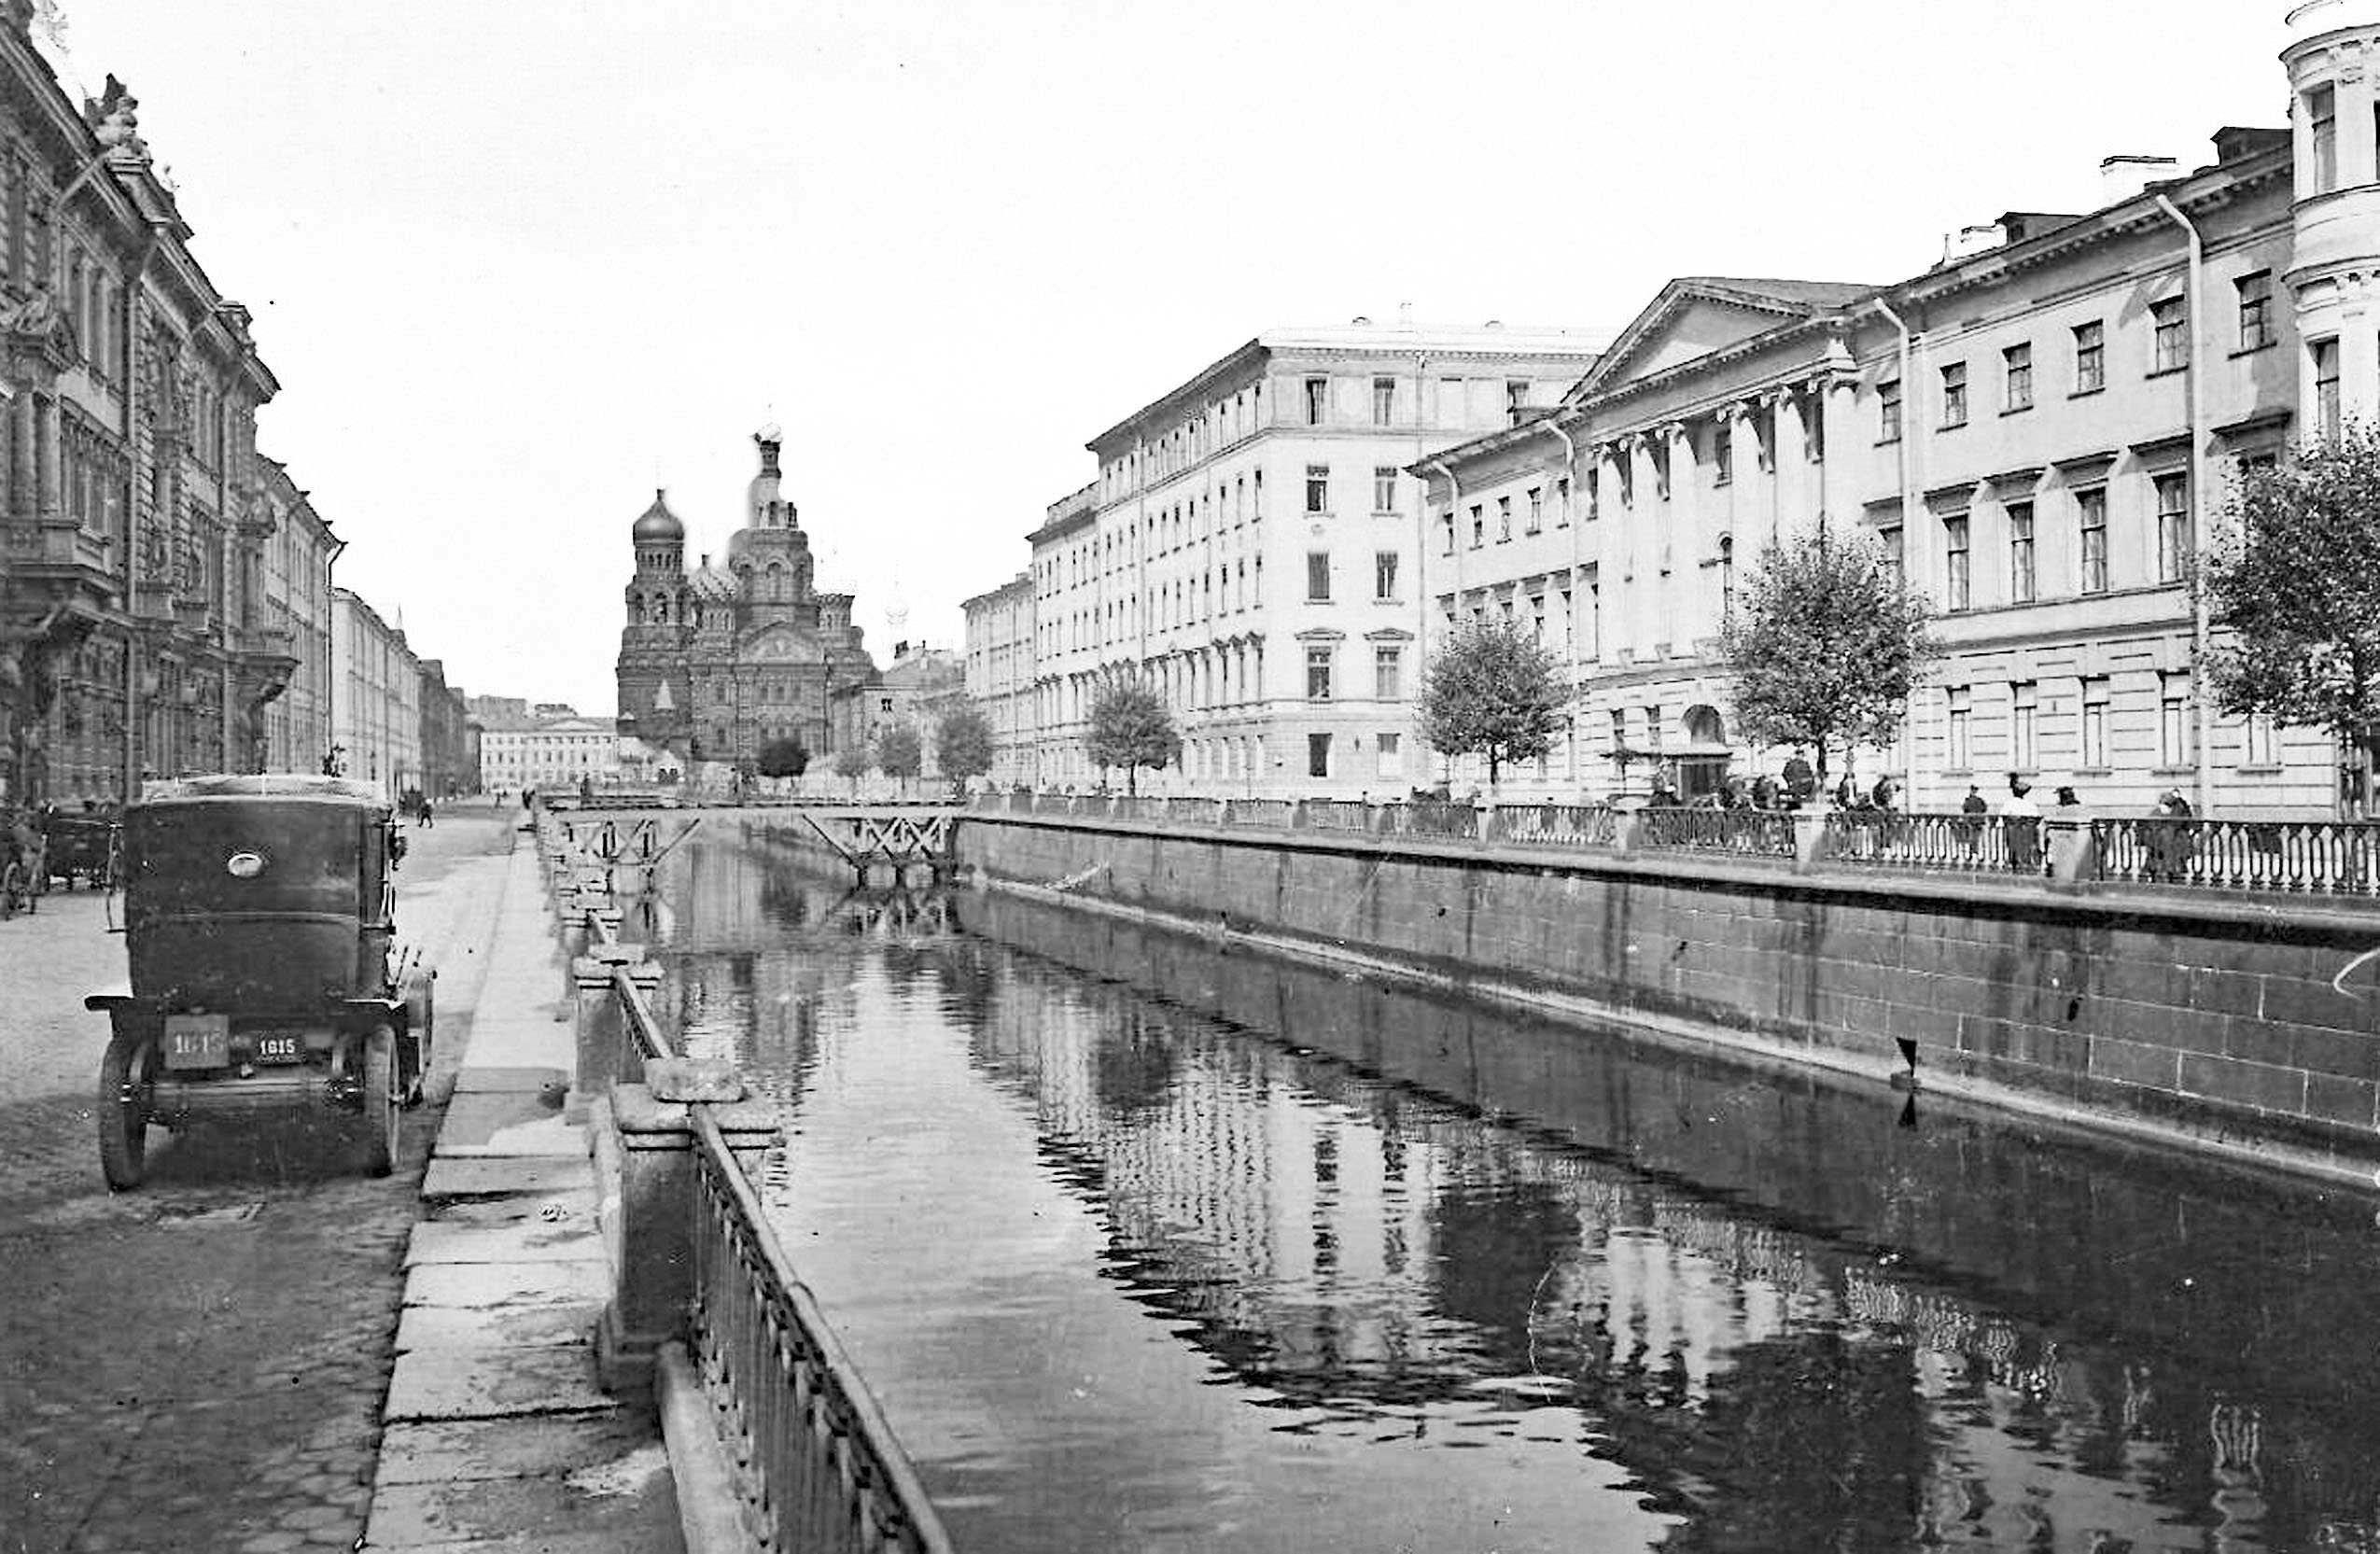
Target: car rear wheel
{"type": "Point", "coordinates": [384, 1102]}
{"type": "Point", "coordinates": [126, 1076]}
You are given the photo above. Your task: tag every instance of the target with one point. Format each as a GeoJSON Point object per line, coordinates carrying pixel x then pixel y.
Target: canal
{"type": "Point", "coordinates": [1146, 1244]}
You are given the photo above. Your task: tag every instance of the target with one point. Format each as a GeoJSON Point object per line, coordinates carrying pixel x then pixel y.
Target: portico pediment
{"type": "Point", "coordinates": [1697, 315]}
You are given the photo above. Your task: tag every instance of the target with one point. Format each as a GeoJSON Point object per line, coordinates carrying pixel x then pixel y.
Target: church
{"type": "Point", "coordinates": [720, 662]}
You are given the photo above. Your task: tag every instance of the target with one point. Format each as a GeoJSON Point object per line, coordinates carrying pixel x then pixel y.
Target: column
{"type": "Point", "coordinates": [1689, 605]}
{"type": "Point", "coordinates": [52, 425]}
{"type": "Point", "coordinates": [1794, 484]}
{"type": "Point", "coordinates": [24, 502]}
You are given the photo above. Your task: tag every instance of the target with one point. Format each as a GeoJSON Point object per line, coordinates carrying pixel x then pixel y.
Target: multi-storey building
{"type": "Point", "coordinates": [293, 603]}
{"type": "Point", "coordinates": [1287, 456]}
{"type": "Point", "coordinates": [2040, 428]}
{"type": "Point", "coordinates": [547, 745]}
{"type": "Point", "coordinates": [375, 698]}
{"type": "Point", "coordinates": [131, 501]}
{"type": "Point", "coordinates": [913, 690]}
{"type": "Point", "coordinates": [999, 674]}
{"type": "Point", "coordinates": [450, 744]}
{"type": "Point", "coordinates": [719, 661]}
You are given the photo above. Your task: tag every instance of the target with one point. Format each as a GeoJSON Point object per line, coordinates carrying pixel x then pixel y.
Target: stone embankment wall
{"type": "Point", "coordinates": [2213, 1021]}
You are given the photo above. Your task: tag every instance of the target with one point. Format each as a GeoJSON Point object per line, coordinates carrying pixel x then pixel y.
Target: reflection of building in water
{"type": "Point", "coordinates": [1334, 1237]}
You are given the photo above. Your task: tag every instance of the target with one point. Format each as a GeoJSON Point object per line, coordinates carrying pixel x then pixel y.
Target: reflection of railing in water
{"type": "Point", "coordinates": [818, 1467]}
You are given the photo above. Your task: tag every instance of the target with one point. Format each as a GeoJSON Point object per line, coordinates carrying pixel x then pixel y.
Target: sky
{"type": "Point", "coordinates": [518, 263]}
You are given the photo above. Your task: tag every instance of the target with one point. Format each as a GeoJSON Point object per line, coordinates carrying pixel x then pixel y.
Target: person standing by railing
{"type": "Point", "coordinates": [2022, 817]}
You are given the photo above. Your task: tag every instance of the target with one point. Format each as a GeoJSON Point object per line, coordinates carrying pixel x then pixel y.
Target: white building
{"type": "Point", "coordinates": [1254, 548]}
{"type": "Point", "coordinates": [548, 744]}
{"type": "Point", "coordinates": [375, 697]}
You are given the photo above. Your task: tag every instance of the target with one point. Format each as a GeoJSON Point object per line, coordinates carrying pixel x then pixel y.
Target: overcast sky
{"type": "Point", "coordinates": [518, 263]}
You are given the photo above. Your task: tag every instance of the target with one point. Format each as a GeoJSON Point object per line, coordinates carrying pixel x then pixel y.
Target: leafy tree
{"type": "Point", "coordinates": [1493, 690]}
{"type": "Point", "coordinates": [1132, 728]}
{"type": "Point", "coordinates": [899, 751]}
{"type": "Point", "coordinates": [781, 758]}
{"type": "Point", "coordinates": [2294, 583]}
{"type": "Point", "coordinates": [963, 742]}
{"type": "Point", "coordinates": [854, 762]}
{"type": "Point", "coordinates": [1825, 646]}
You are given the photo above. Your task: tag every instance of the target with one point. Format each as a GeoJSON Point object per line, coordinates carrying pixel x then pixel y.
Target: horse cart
{"type": "Point", "coordinates": [259, 916]}
{"type": "Point", "coordinates": [82, 848]}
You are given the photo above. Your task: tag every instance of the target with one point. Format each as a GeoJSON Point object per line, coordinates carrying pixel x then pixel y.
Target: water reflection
{"type": "Point", "coordinates": [1148, 1245]}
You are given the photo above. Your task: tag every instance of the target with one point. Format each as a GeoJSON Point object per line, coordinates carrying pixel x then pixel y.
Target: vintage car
{"type": "Point", "coordinates": [258, 922]}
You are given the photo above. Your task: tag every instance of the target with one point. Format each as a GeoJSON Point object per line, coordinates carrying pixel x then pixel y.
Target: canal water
{"type": "Point", "coordinates": [1146, 1244]}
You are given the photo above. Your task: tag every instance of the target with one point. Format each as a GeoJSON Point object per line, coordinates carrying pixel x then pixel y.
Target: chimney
{"type": "Point", "coordinates": [1970, 241]}
{"type": "Point", "coordinates": [2125, 174]}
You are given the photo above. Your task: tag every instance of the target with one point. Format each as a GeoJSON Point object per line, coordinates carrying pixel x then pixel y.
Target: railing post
{"type": "Point", "coordinates": [606, 1056]}
{"type": "Point", "coordinates": [1809, 839]}
{"type": "Point", "coordinates": [2072, 857]}
{"type": "Point", "coordinates": [653, 1205]}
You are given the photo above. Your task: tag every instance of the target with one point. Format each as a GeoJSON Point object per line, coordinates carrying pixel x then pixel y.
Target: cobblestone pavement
{"type": "Point", "coordinates": [201, 1364]}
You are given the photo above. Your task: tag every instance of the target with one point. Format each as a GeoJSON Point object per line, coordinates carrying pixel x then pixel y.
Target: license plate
{"type": "Point", "coordinates": [276, 1046]}
{"type": "Point", "coordinates": [198, 1040]}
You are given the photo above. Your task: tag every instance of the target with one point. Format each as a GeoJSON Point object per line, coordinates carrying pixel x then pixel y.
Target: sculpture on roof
{"type": "Point", "coordinates": [114, 117]}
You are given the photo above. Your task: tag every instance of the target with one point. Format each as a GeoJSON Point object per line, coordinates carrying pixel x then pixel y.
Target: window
{"type": "Point", "coordinates": [1503, 518]}
{"type": "Point", "coordinates": [1318, 392]}
{"type": "Point", "coordinates": [2326, 387]}
{"type": "Point", "coordinates": [1593, 646]}
{"type": "Point", "coordinates": [1536, 509]}
{"type": "Point", "coordinates": [1561, 502]}
{"type": "Point", "coordinates": [1446, 523]}
{"type": "Point", "coordinates": [1479, 525]}
{"type": "Point", "coordinates": [1384, 488]}
{"type": "Point", "coordinates": [1516, 400]}
{"type": "Point", "coordinates": [2256, 743]}
{"type": "Point", "coordinates": [1318, 674]}
{"type": "Point", "coordinates": [2089, 357]}
{"type": "Point", "coordinates": [1887, 411]}
{"type": "Point", "coordinates": [2091, 521]}
{"type": "Point", "coordinates": [1537, 619]}
{"type": "Point", "coordinates": [2024, 750]}
{"type": "Point", "coordinates": [1318, 488]}
{"type": "Point", "coordinates": [2016, 377]}
{"type": "Point", "coordinates": [1383, 401]}
{"type": "Point", "coordinates": [1652, 726]}
{"type": "Point", "coordinates": [1954, 394]}
{"type": "Point", "coordinates": [2322, 114]}
{"type": "Point", "coordinates": [1384, 575]}
{"type": "Point", "coordinates": [2173, 525]}
{"type": "Point", "coordinates": [1391, 754]}
{"type": "Point", "coordinates": [1619, 732]}
{"type": "Point", "coordinates": [1318, 755]}
{"type": "Point", "coordinates": [1890, 538]}
{"type": "Point", "coordinates": [1388, 672]}
{"type": "Point", "coordinates": [2170, 322]}
{"type": "Point", "coordinates": [1727, 576]}
{"type": "Point", "coordinates": [2094, 722]}
{"type": "Point", "coordinates": [2255, 310]}
{"type": "Point", "coordinates": [1657, 451]}
{"type": "Point", "coordinates": [1954, 555]}
{"type": "Point", "coordinates": [1723, 451]}
{"type": "Point", "coordinates": [1317, 577]}
{"type": "Point", "coordinates": [2175, 746]}
{"type": "Point", "coordinates": [2021, 585]}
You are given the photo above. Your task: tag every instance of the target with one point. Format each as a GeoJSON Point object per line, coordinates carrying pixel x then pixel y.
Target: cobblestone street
{"type": "Point", "coordinates": [201, 1364]}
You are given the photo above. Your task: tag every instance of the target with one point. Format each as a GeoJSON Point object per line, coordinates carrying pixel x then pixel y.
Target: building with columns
{"type": "Point", "coordinates": [719, 661]}
{"type": "Point", "coordinates": [375, 701]}
{"type": "Point", "coordinates": [1000, 675]}
{"type": "Point", "coordinates": [2040, 428]}
{"type": "Point", "coordinates": [1253, 547]}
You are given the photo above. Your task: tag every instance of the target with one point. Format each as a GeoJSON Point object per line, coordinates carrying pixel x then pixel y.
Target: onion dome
{"type": "Point", "coordinates": [715, 583]}
{"type": "Point", "coordinates": [659, 523]}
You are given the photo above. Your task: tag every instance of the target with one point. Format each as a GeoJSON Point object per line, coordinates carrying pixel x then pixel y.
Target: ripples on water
{"type": "Point", "coordinates": [1146, 1246]}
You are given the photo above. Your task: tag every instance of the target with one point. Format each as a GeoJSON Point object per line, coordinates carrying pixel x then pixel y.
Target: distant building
{"type": "Point", "coordinates": [548, 744]}
{"type": "Point", "coordinates": [375, 698]}
{"type": "Point", "coordinates": [2041, 429]}
{"type": "Point", "coordinates": [1000, 675]}
{"type": "Point", "coordinates": [718, 661]}
{"type": "Point", "coordinates": [1253, 548]}
{"type": "Point", "coordinates": [450, 742]}
{"type": "Point", "coordinates": [911, 693]}
{"type": "Point", "coordinates": [293, 611]}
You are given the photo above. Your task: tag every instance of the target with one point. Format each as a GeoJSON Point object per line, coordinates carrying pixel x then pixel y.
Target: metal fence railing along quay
{"type": "Point", "coordinates": [1757, 832]}
{"type": "Point", "coordinates": [818, 1469]}
{"type": "Point", "coordinates": [2334, 858]}
{"type": "Point", "coordinates": [1934, 843]}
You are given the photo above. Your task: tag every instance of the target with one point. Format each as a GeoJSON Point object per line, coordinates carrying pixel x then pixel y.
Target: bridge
{"type": "Point", "coordinates": [627, 843]}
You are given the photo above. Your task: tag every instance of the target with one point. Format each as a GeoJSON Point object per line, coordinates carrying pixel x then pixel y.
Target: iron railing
{"type": "Point", "coordinates": [1943, 842]}
{"type": "Point", "coordinates": [1337, 815]}
{"type": "Point", "coordinates": [818, 1470]}
{"type": "Point", "coordinates": [1197, 811]}
{"type": "Point", "coordinates": [1555, 825]}
{"type": "Point", "coordinates": [1273, 814]}
{"type": "Point", "coordinates": [2339, 858]}
{"type": "Point", "coordinates": [1759, 833]}
{"type": "Point", "coordinates": [1425, 819]}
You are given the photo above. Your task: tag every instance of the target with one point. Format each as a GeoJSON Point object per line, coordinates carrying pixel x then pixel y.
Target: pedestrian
{"type": "Point", "coordinates": [2068, 798]}
{"type": "Point", "coordinates": [2169, 843]}
{"type": "Point", "coordinates": [1665, 784]}
{"type": "Point", "coordinates": [1847, 792]}
{"type": "Point", "coordinates": [2021, 818]}
{"type": "Point", "coordinates": [1887, 790]}
{"type": "Point", "coordinates": [1764, 791]}
{"type": "Point", "coordinates": [1800, 782]}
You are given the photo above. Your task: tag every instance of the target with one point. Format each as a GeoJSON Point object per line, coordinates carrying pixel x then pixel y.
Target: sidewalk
{"type": "Point", "coordinates": [496, 1435]}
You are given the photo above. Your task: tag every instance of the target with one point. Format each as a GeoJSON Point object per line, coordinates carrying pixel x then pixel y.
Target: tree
{"type": "Point", "coordinates": [1825, 646]}
{"type": "Point", "coordinates": [1132, 728]}
{"type": "Point", "coordinates": [781, 758]}
{"type": "Point", "coordinates": [853, 762]}
{"type": "Point", "coordinates": [2294, 584]}
{"type": "Point", "coordinates": [963, 742]}
{"type": "Point", "coordinates": [899, 751]}
{"type": "Point", "coordinates": [1493, 690]}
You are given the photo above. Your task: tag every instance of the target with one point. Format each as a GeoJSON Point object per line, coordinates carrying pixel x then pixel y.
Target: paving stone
{"type": "Point", "coordinates": [435, 1384]}
{"type": "Point", "coordinates": [563, 1239]}
{"type": "Point", "coordinates": [502, 1123]}
{"type": "Point", "coordinates": [466, 1329]}
{"type": "Point", "coordinates": [492, 1285]}
{"type": "Point", "coordinates": [480, 1176]}
{"type": "Point", "coordinates": [632, 1503]}
{"type": "Point", "coordinates": [438, 1451]}
{"type": "Point", "coordinates": [472, 1079]}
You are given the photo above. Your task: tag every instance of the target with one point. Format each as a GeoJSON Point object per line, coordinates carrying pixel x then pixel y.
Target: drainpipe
{"type": "Point", "coordinates": [1453, 506]}
{"type": "Point", "coordinates": [2198, 617]}
{"type": "Point", "coordinates": [1905, 458]}
{"type": "Point", "coordinates": [1570, 477]}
